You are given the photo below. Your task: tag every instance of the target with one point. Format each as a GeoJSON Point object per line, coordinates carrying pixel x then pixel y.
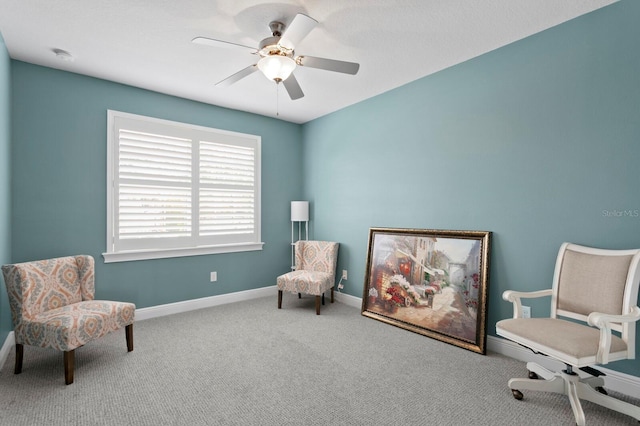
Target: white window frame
{"type": "Point", "coordinates": [194, 244]}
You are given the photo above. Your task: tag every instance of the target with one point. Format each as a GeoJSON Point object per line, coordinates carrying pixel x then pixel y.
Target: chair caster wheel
{"type": "Point", "coordinates": [517, 394]}
{"type": "Point", "coordinates": [533, 376]}
{"type": "Point", "coordinates": [602, 391]}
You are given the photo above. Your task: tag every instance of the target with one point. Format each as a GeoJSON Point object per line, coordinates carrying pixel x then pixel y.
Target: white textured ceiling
{"type": "Point", "coordinates": [147, 43]}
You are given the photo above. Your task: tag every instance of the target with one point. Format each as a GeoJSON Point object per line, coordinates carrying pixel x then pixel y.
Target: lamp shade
{"type": "Point", "coordinates": [299, 211]}
{"type": "Point", "coordinates": [276, 67]}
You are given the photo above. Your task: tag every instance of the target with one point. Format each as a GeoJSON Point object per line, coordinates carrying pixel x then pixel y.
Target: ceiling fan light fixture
{"type": "Point", "coordinates": [276, 67]}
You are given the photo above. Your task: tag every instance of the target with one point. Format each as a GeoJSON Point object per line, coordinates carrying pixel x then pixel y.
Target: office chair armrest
{"type": "Point", "coordinates": [603, 322]}
{"type": "Point", "coordinates": [515, 296]}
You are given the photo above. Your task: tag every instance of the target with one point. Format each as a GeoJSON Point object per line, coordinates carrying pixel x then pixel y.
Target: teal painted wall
{"type": "Point", "coordinates": [5, 184]}
{"type": "Point", "coordinates": [59, 122]}
{"type": "Point", "coordinates": [535, 142]}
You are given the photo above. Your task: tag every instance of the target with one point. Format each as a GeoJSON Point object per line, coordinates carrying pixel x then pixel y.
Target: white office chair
{"type": "Point", "coordinates": [594, 292]}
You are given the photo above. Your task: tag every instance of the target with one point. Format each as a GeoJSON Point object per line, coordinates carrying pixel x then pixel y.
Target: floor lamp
{"type": "Point", "coordinates": [299, 214]}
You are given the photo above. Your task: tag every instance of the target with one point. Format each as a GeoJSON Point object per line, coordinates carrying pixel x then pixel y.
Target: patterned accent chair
{"type": "Point", "coordinates": [593, 321]}
{"type": "Point", "coordinates": [52, 306]}
{"type": "Point", "coordinates": [315, 271]}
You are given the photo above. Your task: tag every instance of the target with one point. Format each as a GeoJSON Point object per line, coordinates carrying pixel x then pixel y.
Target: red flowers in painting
{"type": "Point", "coordinates": [396, 298]}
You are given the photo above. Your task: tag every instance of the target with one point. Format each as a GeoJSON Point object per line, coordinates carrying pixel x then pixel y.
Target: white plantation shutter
{"type": "Point", "coordinates": [227, 189]}
{"type": "Point", "coordinates": [176, 189]}
{"type": "Point", "coordinates": [154, 190]}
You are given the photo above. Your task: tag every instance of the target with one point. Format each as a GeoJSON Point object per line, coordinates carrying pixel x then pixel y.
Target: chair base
{"type": "Point", "coordinates": [575, 387]}
{"type": "Point", "coordinates": [69, 357]}
{"type": "Point", "coordinates": [319, 300]}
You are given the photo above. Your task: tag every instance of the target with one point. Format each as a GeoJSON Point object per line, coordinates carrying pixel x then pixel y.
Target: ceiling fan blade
{"type": "Point", "coordinates": [293, 88]}
{"type": "Point", "coordinates": [297, 30]}
{"type": "Point", "coordinates": [220, 43]}
{"type": "Point", "coordinates": [328, 64]}
{"type": "Point", "coordinates": [238, 76]}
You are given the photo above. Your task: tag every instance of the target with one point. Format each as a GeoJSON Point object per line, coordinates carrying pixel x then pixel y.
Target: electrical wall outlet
{"type": "Point", "coordinates": [526, 311]}
{"type": "Point", "coordinates": [214, 277]}
{"type": "Point", "coordinates": [344, 274]}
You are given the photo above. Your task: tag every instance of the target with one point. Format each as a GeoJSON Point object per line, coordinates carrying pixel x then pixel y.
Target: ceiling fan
{"type": "Point", "coordinates": [277, 60]}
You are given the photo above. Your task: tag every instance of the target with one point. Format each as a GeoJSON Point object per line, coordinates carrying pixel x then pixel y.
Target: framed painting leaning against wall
{"type": "Point", "coordinates": [432, 282]}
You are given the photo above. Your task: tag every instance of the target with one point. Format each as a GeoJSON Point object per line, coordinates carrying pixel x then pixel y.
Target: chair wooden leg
{"type": "Point", "coordinates": [19, 356]}
{"type": "Point", "coordinates": [331, 294]}
{"type": "Point", "coordinates": [69, 361]}
{"type": "Point", "coordinates": [128, 330]}
{"type": "Point", "coordinates": [323, 299]}
{"type": "Point", "coordinates": [279, 299]}
{"type": "Point", "coordinates": [299, 295]}
{"type": "Point", "coordinates": [317, 305]}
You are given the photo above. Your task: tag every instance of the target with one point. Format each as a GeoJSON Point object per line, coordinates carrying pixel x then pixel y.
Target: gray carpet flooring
{"type": "Point", "coordinates": [249, 363]}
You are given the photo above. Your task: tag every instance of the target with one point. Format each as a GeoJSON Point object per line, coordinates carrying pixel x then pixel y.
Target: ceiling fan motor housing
{"type": "Point", "coordinates": [269, 47]}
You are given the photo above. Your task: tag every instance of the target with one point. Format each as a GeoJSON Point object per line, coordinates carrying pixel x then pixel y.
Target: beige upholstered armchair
{"type": "Point", "coordinates": [315, 271]}
{"type": "Point", "coordinates": [594, 293]}
{"type": "Point", "coordinates": [52, 306]}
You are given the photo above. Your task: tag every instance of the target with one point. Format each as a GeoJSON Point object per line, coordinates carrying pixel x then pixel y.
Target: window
{"type": "Point", "coordinates": [175, 189]}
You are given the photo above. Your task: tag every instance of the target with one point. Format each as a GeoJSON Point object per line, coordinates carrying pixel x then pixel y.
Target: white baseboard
{"type": "Point", "coordinates": [6, 347]}
{"type": "Point", "coordinates": [348, 299]}
{"type": "Point", "coordinates": [205, 302]}
{"type": "Point", "coordinates": [614, 380]}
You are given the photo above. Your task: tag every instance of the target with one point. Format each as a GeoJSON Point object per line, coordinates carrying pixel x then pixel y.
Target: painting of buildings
{"type": "Point", "coordinates": [428, 281]}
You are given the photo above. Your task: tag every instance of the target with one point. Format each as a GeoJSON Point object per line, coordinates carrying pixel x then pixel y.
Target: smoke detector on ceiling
{"type": "Point", "coordinates": [63, 55]}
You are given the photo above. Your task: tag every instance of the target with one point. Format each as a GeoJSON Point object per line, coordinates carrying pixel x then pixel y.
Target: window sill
{"type": "Point", "coordinates": [127, 256]}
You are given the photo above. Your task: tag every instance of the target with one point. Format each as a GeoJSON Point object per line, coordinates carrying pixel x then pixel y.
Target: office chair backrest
{"type": "Point", "coordinates": [590, 280]}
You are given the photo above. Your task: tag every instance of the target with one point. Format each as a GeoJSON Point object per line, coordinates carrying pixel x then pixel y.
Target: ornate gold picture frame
{"type": "Point", "coordinates": [432, 282]}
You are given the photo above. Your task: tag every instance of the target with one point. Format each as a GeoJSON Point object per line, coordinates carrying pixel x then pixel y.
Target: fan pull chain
{"type": "Point", "coordinates": [277, 99]}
